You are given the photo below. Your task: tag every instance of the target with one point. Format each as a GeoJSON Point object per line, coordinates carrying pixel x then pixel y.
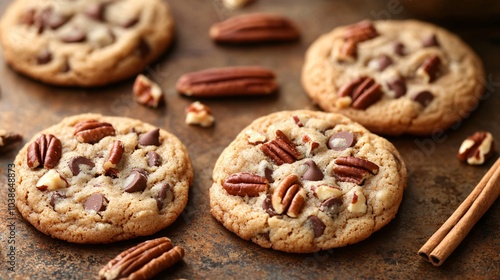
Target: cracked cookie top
{"type": "Point", "coordinates": [394, 77]}
{"type": "Point", "coordinates": [303, 181]}
{"type": "Point", "coordinates": [99, 179]}
{"type": "Point", "coordinates": [84, 42]}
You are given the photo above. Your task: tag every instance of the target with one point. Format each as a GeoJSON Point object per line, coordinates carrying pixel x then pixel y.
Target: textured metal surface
{"type": "Point", "coordinates": [438, 183]}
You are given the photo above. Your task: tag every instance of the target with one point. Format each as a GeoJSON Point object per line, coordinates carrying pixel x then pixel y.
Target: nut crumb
{"type": "Point", "coordinates": [199, 114]}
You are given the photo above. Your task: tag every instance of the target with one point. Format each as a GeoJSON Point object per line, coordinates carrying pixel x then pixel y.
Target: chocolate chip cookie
{"type": "Point", "coordinates": [303, 181]}
{"type": "Point", "coordinates": [99, 179]}
{"type": "Point", "coordinates": [84, 42]}
{"type": "Point", "coordinates": [394, 77]}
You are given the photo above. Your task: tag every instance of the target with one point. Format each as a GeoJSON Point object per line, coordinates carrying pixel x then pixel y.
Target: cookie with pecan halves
{"type": "Point", "coordinates": [105, 178]}
{"type": "Point", "coordinates": [303, 181]}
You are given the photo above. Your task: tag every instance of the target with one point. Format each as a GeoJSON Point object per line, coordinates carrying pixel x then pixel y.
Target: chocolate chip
{"type": "Point", "coordinates": [399, 48]}
{"type": "Point", "coordinates": [130, 22]}
{"type": "Point", "coordinates": [430, 41]}
{"type": "Point", "coordinates": [267, 205]}
{"type": "Point", "coordinates": [162, 194]}
{"type": "Point", "coordinates": [65, 67]}
{"type": "Point", "coordinates": [95, 202]}
{"type": "Point", "coordinates": [331, 204]}
{"type": "Point", "coordinates": [313, 173]}
{"type": "Point", "coordinates": [143, 48]}
{"type": "Point", "coordinates": [154, 159]}
{"type": "Point", "coordinates": [135, 182]}
{"type": "Point", "coordinates": [56, 196]}
{"type": "Point", "coordinates": [341, 141]}
{"type": "Point", "coordinates": [150, 138]}
{"type": "Point", "coordinates": [75, 35]}
{"type": "Point", "coordinates": [381, 62]}
{"type": "Point", "coordinates": [74, 164]}
{"type": "Point", "coordinates": [424, 98]}
{"type": "Point", "coordinates": [268, 172]}
{"type": "Point", "coordinates": [398, 85]}
{"type": "Point", "coordinates": [317, 225]}
{"type": "Point", "coordinates": [142, 171]}
{"type": "Point", "coordinates": [95, 11]}
{"type": "Point", "coordinates": [56, 20]}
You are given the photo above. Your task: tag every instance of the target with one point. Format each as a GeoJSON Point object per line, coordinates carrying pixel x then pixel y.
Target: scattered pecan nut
{"type": "Point", "coordinates": [8, 139]}
{"type": "Point", "coordinates": [114, 157]}
{"type": "Point", "coordinates": [353, 169]}
{"type": "Point", "coordinates": [228, 81]}
{"type": "Point", "coordinates": [363, 91]}
{"type": "Point", "coordinates": [289, 197]}
{"type": "Point", "coordinates": [92, 131]}
{"type": "Point", "coordinates": [281, 149]}
{"type": "Point", "coordinates": [143, 261]}
{"type": "Point", "coordinates": [477, 148]}
{"type": "Point", "coordinates": [199, 114]}
{"type": "Point", "coordinates": [429, 69]}
{"type": "Point", "coordinates": [245, 184]}
{"type": "Point", "coordinates": [254, 28]}
{"type": "Point", "coordinates": [46, 151]}
{"type": "Point", "coordinates": [147, 92]}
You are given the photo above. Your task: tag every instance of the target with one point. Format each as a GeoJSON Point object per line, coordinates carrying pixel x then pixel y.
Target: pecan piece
{"type": "Point", "coordinates": [143, 261]}
{"type": "Point", "coordinates": [51, 181]}
{"type": "Point", "coordinates": [200, 114]}
{"type": "Point", "coordinates": [429, 69]}
{"type": "Point", "coordinates": [281, 149]}
{"type": "Point", "coordinates": [46, 151]}
{"type": "Point", "coordinates": [353, 35]}
{"type": "Point", "coordinates": [114, 157]}
{"type": "Point", "coordinates": [92, 131]}
{"type": "Point", "coordinates": [289, 197]}
{"type": "Point", "coordinates": [353, 169]}
{"type": "Point", "coordinates": [254, 28]}
{"type": "Point", "coordinates": [363, 91]}
{"type": "Point", "coordinates": [228, 81]}
{"type": "Point", "coordinates": [477, 148]}
{"type": "Point", "coordinates": [245, 184]}
{"type": "Point", "coordinates": [147, 92]}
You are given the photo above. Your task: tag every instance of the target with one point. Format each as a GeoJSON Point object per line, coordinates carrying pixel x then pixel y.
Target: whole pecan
{"type": "Point", "coordinates": [92, 131]}
{"type": "Point", "coordinates": [46, 151]}
{"type": "Point", "coordinates": [289, 197]}
{"type": "Point", "coordinates": [245, 184]}
{"type": "Point", "coordinates": [228, 81]}
{"type": "Point", "coordinates": [353, 169]}
{"type": "Point", "coordinates": [253, 28]}
{"type": "Point", "coordinates": [281, 149]}
{"type": "Point", "coordinates": [364, 92]}
{"type": "Point", "coordinates": [143, 261]}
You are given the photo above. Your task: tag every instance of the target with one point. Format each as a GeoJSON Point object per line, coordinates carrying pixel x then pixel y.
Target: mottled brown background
{"type": "Point", "coordinates": [438, 183]}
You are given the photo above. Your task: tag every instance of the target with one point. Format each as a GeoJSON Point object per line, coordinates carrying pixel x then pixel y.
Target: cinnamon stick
{"type": "Point", "coordinates": [447, 238]}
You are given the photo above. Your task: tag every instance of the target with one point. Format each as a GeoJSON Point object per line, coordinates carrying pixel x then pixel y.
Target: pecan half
{"type": "Point", "coordinates": [228, 81]}
{"type": "Point", "coordinates": [245, 184]}
{"type": "Point", "coordinates": [353, 35]}
{"type": "Point", "coordinates": [281, 149]}
{"type": "Point", "coordinates": [92, 131]}
{"type": "Point", "coordinates": [46, 151]}
{"type": "Point", "coordinates": [353, 169]}
{"type": "Point", "coordinates": [254, 28]}
{"type": "Point", "coordinates": [363, 91]}
{"type": "Point", "coordinates": [477, 148]}
{"type": "Point", "coordinates": [289, 197]}
{"type": "Point", "coordinates": [114, 157]}
{"type": "Point", "coordinates": [429, 69]}
{"type": "Point", "coordinates": [143, 261]}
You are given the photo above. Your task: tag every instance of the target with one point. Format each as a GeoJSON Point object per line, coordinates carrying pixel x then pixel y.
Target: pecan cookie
{"type": "Point", "coordinates": [394, 77]}
{"type": "Point", "coordinates": [303, 181]}
{"type": "Point", "coordinates": [84, 42]}
{"type": "Point", "coordinates": [98, 179]}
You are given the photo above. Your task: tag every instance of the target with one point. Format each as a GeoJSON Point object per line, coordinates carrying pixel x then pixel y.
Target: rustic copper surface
{"type": "Point", "coordinates": [438, 182]}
